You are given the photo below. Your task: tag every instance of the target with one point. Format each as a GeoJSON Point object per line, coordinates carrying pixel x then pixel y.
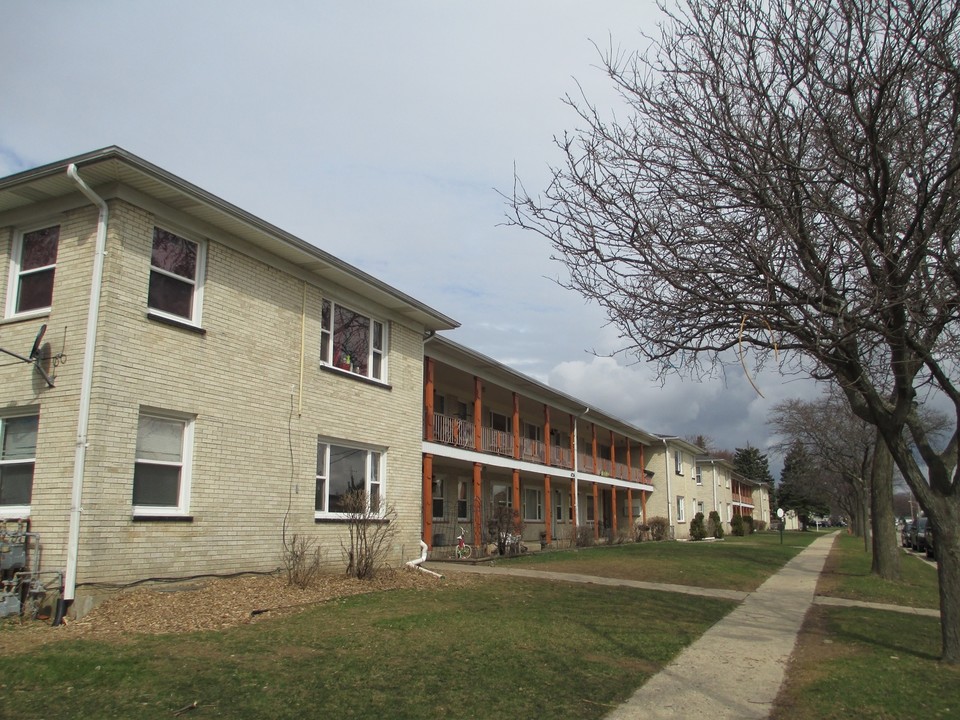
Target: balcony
{"type": "Point", "coordinates": [457, 432]}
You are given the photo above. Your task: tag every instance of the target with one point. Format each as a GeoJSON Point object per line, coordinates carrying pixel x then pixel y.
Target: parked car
{"type": "Point", "coordinates": [928, 540]}
{"type": "Point", "coordinates": [918, 534]}
{"type": "Point", "coordinates": [905, 533]}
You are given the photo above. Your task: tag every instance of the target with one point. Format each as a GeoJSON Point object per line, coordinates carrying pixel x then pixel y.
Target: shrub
{"type": "Point", "coordinates": [748, 525]}
{"type": "Point", "coordinates": [715, 525]}
{"type": "Point", "coordinates": [584, 536]}
{"type": "Point", "coordinates": [641, 532]}
{"type": "Point", "coordinates": [659, 528]}
{"type": "Point", "coordinates": [760, 525]}
{"type": "Point", "coordinates": [370, 535]}
{"type": "Point", "coordinates": [698, 529]}
{"type": "Point", "coordinates": [737, 526]}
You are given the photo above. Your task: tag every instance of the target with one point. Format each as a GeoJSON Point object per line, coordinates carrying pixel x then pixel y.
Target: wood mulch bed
{"type": "Point", "coordinates": [212, 604]}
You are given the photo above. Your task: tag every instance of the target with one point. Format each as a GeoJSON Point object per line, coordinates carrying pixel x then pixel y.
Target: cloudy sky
{"type": "Point", "coordinates": [382, 132]}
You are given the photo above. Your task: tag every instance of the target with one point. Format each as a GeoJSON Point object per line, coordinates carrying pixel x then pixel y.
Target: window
{"type": "Point", "coordinates": [700, 507]}
{"type": "Point", "coordinates": [502, 496]}
{"type": "Point", "coordinates": [678, 462]}
{"type": "Point", "coordinates": [681, 509]}
{"type": "Point", "coordinates": [590, 508]}
{"type": "Point", "coordinates": [558, 505]}
{"type": "Point", "coordinates": [161, 475]}
{"type": "Point", "coordinates": [532, 504]}
{"type": "Point", "coordinates": [18, 452]}
{"type": "Point", "coordinates": [32, 270]}
{"type": "Point", "coordinates": [729, 512]}
{"type": "Point", "coordinates": [699, 475]}
{"type": "Point", "coordinates": [463, 507]}
{"type": "Point", "coordinates": [352, 342]}
{"type": "Point", "coordinates": [176, 270]}
{"type": "Point", "coordinates": [437, 498]}
{"type": "Point", "coordinates": [342, 470]}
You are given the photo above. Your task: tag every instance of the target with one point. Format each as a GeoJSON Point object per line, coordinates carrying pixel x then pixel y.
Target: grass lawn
{"type": "Point", "coordinates": [853, 662]}
{"type": "Point", "coordinates": [847, 575]}
{"type": "Point", "coordinates": [734, 563]}
{"type": "Point", "coordinates": [494, 647]}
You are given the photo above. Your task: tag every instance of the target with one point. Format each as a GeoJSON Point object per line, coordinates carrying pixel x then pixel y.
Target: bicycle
{"type": "Point", "coordinates": [463, 551]}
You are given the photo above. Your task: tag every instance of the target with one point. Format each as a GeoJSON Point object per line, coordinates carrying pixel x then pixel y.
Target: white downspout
{"type": "Point", "coordinates": [576, 478]}
{"type": "Point", "coordinates": [86, 387]}
{"type": "Point", "coordinates": [418, 563]}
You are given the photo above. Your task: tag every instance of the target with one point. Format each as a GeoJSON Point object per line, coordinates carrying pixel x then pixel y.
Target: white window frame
{"type": "Point", "coordinates": [14, 512]}
{"type": "Point", "coordinates": [699, 475]}
{"type": "Point", "coordinates": [196, 306]}
{"type": "Point", "coordinates": [15, 275]}
{"type": "Point", "coordinates": [438, 486]}
{"type": "Point", "coordinates": [463, 496]}
{"type": "Point", "coordinates": [375, 355]}
{"type": "Point", "coordinates": [558, 506]}
{"type": "Point", "coordinates": [678, 462]}
{"type": "Point", "coordinates": [537, 514]}
{"type": "Point", "coordinates": [681, 509]}
{"type": "Point", "coordinates": [185, 465]}
{"type": "Point", "coordinates": [375, 467]}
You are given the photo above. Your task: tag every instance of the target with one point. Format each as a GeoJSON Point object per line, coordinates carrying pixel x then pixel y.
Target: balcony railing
{"type": "Point", "coordinates": [448, 430]}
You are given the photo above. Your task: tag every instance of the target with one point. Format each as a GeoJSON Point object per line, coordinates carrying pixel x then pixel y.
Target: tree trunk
{"type": "Point", "coordinates": [947, 550]}
{"type": "Point", "coordinates": [886, 552]}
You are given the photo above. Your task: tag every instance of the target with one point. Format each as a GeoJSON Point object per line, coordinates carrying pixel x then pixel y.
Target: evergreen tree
{"type": "Point", "coordinates": [799, 488]}
{"type": "Point", "coordinates": [752, 464]}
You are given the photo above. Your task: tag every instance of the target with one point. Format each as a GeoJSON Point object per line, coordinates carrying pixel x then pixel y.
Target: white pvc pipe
{"type": "Point", "coordinates": [416, 564]}
{"type": "Point", "coordinates": [86, 387]}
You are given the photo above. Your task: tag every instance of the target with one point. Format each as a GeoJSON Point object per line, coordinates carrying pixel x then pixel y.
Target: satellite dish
{"type": "Point", "coordinates": [35, 350]}
{"type": "Point", "coordinates": [34, 357]}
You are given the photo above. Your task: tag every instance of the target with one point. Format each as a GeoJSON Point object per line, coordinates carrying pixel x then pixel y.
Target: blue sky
{"type": "Point", "coordinates": [382, 132]}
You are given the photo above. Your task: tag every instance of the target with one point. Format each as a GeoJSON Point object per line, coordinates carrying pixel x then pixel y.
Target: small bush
{"type": "Point", "coordinates": [715, 525]}
{"type": "Point", "coordinates": [748, 525]}
{"type": "Point", "coordinates": [301, 560]}
{"type": "Point", "coordinates": [641, 532]}
{"type": "Point", "coordinates": [737, 526]}
{"type": "Point", "coordinates": [760, 525]}
{"type": "Point", "coordinates": [584, 536]}
{"type": "Point", "coordinates": [659, 528]}
{"type": "Point", "coordinates": [698, 529]}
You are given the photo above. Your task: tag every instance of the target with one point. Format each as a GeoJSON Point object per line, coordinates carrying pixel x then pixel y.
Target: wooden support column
{"type": "Point", "coordinates": [548, 509]}
{"type": "Point", "coordinates": [516, 491]}
{"type": "Point", "coordinates": [516, 426]}
{"type": "Point", "coordinates": [643, 506]}
{"type": "Point", "coordinates": [613, 509]}
{"type": "Point", "coordinates": [596, 505]}
{"type": "Point", "coordinates": [630, 510]}
{"type": "Point", "coordinates": [593, 453]}
{"type": "Point", "coordinates": [477, 508]}
{"type": "Point", "coordinates": [428, 391]}
{"type": "Point", "coordinates": [477, 414]}
{"type": "Point", "coordinates": [428, 500]}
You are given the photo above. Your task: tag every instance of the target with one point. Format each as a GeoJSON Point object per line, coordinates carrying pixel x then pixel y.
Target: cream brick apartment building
{"type": "Point", "coordinates": [211, 378]}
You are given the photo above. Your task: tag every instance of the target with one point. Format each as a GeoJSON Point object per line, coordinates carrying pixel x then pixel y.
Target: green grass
{"type": "Point", "coordinates": [847, 575]}
{"type": "Point", "coordinates": [492, 648]}
{"type": "Point", "coordinates": [856, 663]}
{"type": "Point", "coordinates": [734, 563]}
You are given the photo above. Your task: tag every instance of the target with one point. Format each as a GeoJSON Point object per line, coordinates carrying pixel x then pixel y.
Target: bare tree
{"type": "Point", "coordinates": [371, 531]}
{"type": "Point", "coordinates": [785, 178]}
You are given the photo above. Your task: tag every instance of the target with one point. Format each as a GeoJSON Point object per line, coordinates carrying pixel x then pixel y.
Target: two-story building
{"type": "Point", "coordinates": [206, 382]}
{"type": "Point", "coordinates": [495, 438]}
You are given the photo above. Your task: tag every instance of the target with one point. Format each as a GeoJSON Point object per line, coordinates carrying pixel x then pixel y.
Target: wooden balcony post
{"type": "Point", "coordinates": [477, 414]}
{"type": "Point", "coordinates": [546, 435]}
{"type": "Point", "coordinates": [613, 455]}
{"type": "Point", "coordinates": [428, 390]}
{"type": "Point", "coordinates": [516, 426]}
{"type": "Point", "coordinates": [629, 469]}
{"type": "Point", "coordinates": [593, 452]}
{"type": "Point", "coordinates": [428, 500]}
{"type": "Point", "coordinates": [548, 508]}
{"type": "Point", "coordinates": [477, 507]}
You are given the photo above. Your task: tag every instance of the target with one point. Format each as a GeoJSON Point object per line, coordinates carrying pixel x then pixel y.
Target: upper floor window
{"type": "Point", "coordinates": [699, 475]}
{"type": "Point", "coordinates": [678, 462]}
{"type": "Point", "coordinates": [176, 272]}
{"type": "Point", "coordinates": [161, 475]}
{"type": "Point", "coordinates": [342, 473]}
{"type": "Point", "coordinates": [32, 270]}
{"type": "Point", "coordinates": [352, 342]}
{"type": "Point", "coordinates": [18, 451]}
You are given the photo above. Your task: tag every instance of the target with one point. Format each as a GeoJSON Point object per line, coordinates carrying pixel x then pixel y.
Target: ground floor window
{"type": "Point", "coordinates": [161, 475]}
{"type": "Point", "coordinates": [342, 471]}
{"type": "Point", "coordinates": [532, 504]}
{"type": "Point", "coordinates": [681, 509]}
{"type": "Point", "coordinates": [558, 505]}
{"type": "Point", "coordinates": [502, 496]}
{"type": "Point", "coordinates": [437, 498]}
{"type": "Point", "coordinates": [463, 506]}
{"type": "Point", "coordinates": [18, 452]}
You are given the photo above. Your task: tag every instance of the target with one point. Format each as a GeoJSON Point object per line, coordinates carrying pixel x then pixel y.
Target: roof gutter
{"type": "Point", "coordinates": [86, 387]}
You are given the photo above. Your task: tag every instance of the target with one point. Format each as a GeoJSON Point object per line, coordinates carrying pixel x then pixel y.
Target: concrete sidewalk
{"type": "Point", "coordinates": [736, 668]}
